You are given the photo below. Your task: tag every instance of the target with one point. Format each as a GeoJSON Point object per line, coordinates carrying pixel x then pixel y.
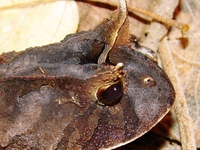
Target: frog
{"type": "Point", "coordinates": [92, 90]}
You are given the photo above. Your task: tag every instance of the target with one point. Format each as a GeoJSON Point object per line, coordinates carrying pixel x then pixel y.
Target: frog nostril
{"type": "Point", "coordinates": [148, 81]}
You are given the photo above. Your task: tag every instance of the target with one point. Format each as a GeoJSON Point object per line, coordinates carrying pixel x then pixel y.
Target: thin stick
{"type": "Point", "coordinates": [183, 27]}
{"type": "Point", "coordinates": [180, 105]}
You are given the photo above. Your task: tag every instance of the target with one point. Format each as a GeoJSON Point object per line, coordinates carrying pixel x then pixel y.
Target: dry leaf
{"type": "Point", "coordinates": [35, 25]}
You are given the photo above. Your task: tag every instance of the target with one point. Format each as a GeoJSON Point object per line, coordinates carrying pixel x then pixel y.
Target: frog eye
{"type": "Point", "coordinates": [110, 95]}
{"type": "Point", "coordinates": [149, 81]}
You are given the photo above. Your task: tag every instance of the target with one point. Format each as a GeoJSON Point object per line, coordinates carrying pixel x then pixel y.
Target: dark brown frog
{"type": "Point", "coordinates": [90, 91]}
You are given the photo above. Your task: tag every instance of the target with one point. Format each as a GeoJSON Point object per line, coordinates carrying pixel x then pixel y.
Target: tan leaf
{"type": "Point", "coordinates": [35, 24]}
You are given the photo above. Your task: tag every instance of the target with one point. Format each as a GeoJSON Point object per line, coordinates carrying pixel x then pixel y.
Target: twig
{"type": "Point", "coordinates": [180, 105]}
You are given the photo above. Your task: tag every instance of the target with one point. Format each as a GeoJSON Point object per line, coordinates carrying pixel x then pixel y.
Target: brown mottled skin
{"type": "Point", "coordinates": [57, 107]}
